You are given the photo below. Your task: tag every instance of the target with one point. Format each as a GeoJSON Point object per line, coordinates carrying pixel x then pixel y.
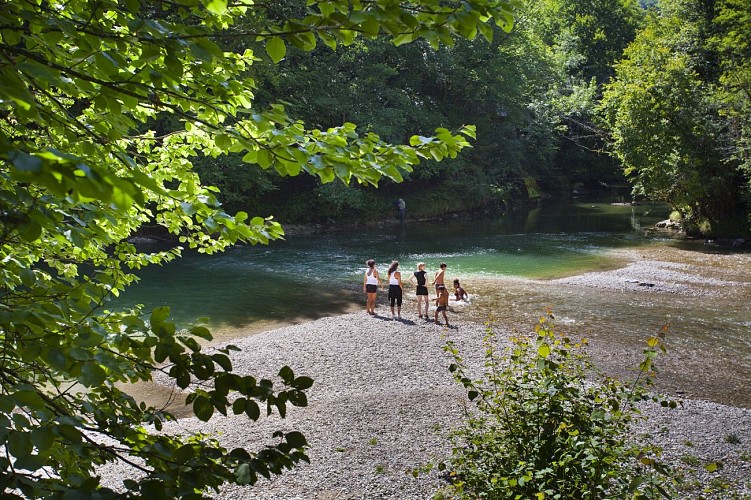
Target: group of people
{"type": "Point", "coordinates": [372, 282]}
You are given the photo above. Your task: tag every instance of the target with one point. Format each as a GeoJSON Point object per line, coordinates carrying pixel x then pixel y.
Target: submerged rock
{"type": "Point", "coordinates": [669, 225]}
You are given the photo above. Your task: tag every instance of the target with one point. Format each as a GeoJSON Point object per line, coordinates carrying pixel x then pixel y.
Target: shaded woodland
{"type": "Point", "coordinates": [638, 101]}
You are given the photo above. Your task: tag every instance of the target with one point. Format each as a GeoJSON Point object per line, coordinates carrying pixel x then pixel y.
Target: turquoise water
{"type": "Point", "coordinates": [505, 263]}
{"type": "Point", "coordinates": [309, 276]}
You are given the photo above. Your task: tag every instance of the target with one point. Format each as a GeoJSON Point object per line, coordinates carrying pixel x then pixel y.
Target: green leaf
{"type": "Point", "coordinates": [713, 466]}
{"type": "Point", "coordinates": [25, 162]}
{"type": "Point", "coordinates": [217, 7]}
{"type": "Point", "coordinates": [202, 332]}
{"type": "Point", "coordinates": [159, 316]}
{"type": "Point", "coordinates": [243, 474]}
{"type": "Point", "coordinates": [203, 408]}
{"type": "Point", "coordinates": [29, 399]}
{"type": "Point", "coordinates": [134, 6]}
{"type": "Point", "coordinates": [252, 410]}
{"type": "Point", "coordinates": [276, 49]}
{"type": "Point", "coordinates": [19, 444]}
{"type": "Point", "coordinates": [153, 489]}
{"type": "Point", "coordinates": [28, 278]}
{"type": "Point", "coordinates": [302, 383]}
{"type": "Point", "coordinates": [287, 375]}
{"type": "Point", "coordinates": [12, 88]}
{"type": "Point", "coordinates": [93, 375]}
{"type": "Point", "coordinates": [223, 141]}
{"type": "Point", "coordinates": [56, 358]}
{"type": "Point", "coordinates": [30, 462]}
{"type": "Point", "coordinates": [371, 26]}
{"type": "Point", "coordinates": [42, 438]}
{"type": "Point", "coordinates": [223, 361]}
{"type": "Point", "coordinates": [296, 439]}
{"type": "Point", "coordinates": [238, 406]}
{"type": "Point", "coordinates": [543, 350]}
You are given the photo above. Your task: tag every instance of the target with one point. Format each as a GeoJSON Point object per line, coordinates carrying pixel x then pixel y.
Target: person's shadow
{"type": "Point", "coordinates": [407, 321]}
{"type": "Point", "coordinates": [400, 320]}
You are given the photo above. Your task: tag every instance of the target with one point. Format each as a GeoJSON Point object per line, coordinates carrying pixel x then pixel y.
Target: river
{"type": "Point", "coordinates": [310, 275]}
{"type": "Point", "coordinates": [510, 264]}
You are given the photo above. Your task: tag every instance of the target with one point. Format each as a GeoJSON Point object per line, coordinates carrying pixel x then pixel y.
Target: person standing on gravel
{"type": "Point", "coordinates": [440, 278]}
{"type": "Point", "coordinates": [395, 289]}
{"type": "Point", "coordinates": [442, 304]}
{"type": "Point", "coordinates": [370, 285]}
{"type": "Point", "coordinates": [422, 289]}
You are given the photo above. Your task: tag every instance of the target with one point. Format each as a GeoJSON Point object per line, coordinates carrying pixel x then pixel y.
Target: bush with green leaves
{"type": "Point", "coordinates": [542, 427]}
{"type": "Point", "coordinates": [104, 108]}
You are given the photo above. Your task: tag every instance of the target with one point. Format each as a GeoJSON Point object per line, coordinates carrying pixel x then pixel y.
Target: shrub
{"type": "Point", "coordinates": [539, 429]}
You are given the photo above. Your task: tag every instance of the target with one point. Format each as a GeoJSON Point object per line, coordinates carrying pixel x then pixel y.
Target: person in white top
{"type": "Point", "coordinates": [370, 285]}
{"type": "Point", "coordinates": [395, 289]}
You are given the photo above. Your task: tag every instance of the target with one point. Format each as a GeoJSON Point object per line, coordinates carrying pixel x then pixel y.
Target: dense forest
{"type": "Point", "coordinates": [646, 101]}
{"type": "Point", "coordinates": [202, 118]}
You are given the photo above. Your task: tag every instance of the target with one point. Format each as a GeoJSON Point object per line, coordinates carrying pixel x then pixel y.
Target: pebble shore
{"type": "Point", "coordinates": [383, 402]}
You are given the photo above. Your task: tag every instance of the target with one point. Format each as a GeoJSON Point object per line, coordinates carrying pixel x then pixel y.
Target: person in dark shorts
{"type": "Point", "coordinates": [370, 285]}
{"type": "Point", "coordinates": [395, 290]}
{"type": "Point", "coordinates": [442, 303]}
{"type": "Point", "coordinates": [422, 289]}
{"type": "Point", "coordinates": [440, 278]}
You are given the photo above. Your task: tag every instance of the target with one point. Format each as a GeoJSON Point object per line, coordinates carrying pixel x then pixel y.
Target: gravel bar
{"type": "Point", "coordinates": [383, 402]}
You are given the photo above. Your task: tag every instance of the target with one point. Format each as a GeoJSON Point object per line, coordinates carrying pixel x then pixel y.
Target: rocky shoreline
{"type": "Point", "coordinates": [384, 401]}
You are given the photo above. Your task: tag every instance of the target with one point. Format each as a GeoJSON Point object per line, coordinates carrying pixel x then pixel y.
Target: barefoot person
{"type": "Point", "coordinates": [440, 277]}
{"type": "Point", "coordinates": [395, 289]}
{"type": "Point", "coordinates": [459, 293]}
{"type": "Point", "coordinates": [370, 285]}
{"type": "Point", "coordinates": [422, 289]}
{"type": "Point", "coordinates": [442, 303]}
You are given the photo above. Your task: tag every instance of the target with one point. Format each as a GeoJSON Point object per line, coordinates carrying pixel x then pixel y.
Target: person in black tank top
{"type": "Point", "coordinates": [395, 290]}
{"type": "Point", "coordinates": [422, 289]}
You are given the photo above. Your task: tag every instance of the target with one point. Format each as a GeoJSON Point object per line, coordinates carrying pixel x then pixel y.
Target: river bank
{"type": "Point", "coordinates": [384, 401]}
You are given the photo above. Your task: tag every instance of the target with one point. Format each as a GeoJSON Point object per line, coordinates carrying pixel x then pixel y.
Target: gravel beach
{"type": "Point", "coordinates": [383, 402]}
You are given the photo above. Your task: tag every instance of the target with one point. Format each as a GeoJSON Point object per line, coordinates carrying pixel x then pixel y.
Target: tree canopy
{"type": "Point", "coordinates": [105, 108]}
{"type": "Point", "coordinates": [678, 114]}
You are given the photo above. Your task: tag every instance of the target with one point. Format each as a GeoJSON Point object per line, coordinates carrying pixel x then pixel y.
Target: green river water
{"type": "Point", "coordinates": [313, 275]}
{"type": "Point", "coordinates": [506, 262]}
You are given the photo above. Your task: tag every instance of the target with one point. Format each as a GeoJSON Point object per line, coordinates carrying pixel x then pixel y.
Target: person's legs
{"type": "Point", "coordinates": [427, 306]}
{"type": "Point", "coordinates": [445, 317]}
{"type": "Point", "coordinates": [399, 299]}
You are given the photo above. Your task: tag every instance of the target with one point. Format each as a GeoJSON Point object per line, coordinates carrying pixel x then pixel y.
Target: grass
{"type": "Point", "coordinates": [732, 439]}
{"type": "Point", "coordinates": [690, 460]}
